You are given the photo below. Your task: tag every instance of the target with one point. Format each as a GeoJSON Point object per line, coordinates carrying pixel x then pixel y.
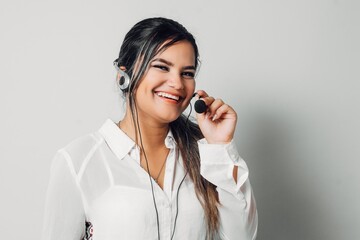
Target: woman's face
{"type": "Point", "coordinates": [166, 88]}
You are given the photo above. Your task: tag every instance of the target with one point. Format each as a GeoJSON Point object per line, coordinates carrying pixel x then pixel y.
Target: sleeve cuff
{"type": "Point", "coordinates": [211, 152]}
{"type": "Point", "coordinates": [217, 164]}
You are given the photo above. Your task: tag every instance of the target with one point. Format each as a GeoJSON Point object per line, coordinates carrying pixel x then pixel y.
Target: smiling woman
{"type": "Point", "coordinates": [168, 85]}
{"type": "Point", "coordinates": [154, 174]}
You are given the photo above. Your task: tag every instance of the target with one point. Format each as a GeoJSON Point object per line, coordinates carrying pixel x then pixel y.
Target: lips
{"type": "Point", "coordinates": [176, 98]}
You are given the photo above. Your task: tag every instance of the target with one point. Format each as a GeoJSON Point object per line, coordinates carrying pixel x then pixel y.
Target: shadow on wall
{"type": "Point", "coordinates": [286, 199]}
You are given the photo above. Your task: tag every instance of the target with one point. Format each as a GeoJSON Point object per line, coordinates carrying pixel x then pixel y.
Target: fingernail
{"type": "Point", "coordinates": [214, 117]}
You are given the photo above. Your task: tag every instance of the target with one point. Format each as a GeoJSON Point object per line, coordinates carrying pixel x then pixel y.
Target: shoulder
{"type": "Point", "coordinates": [79, 149]}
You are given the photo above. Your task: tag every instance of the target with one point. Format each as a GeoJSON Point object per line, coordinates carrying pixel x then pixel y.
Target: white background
{"type": "Point", "coordinates": [289, 68]}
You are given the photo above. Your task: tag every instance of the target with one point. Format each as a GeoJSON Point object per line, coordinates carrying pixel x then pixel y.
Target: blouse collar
{"type": "Point", "coordinates": [120, 143]}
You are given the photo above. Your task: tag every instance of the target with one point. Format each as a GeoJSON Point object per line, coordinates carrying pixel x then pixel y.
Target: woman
{"type": "Point", "coordinates": [154, 174]}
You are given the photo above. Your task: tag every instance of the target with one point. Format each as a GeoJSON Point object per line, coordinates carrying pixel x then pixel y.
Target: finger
{"type": "Point", "coordinates": [223, 110]}
{"type": "Point", "coordinates": [201, 94]}
{"type": "Point", "coordinates": [214, 106]}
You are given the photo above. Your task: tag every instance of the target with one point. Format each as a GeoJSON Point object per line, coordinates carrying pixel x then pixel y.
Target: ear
{"type": "Point", "coordinates": [122, 68]}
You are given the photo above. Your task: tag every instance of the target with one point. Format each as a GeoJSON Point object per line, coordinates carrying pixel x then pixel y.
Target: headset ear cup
{"type": "Point", "coordinates": [123, 80]}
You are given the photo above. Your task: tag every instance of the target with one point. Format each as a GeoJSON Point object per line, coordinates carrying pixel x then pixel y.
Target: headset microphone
{"type": "Point", "coordinates": [200, 106]}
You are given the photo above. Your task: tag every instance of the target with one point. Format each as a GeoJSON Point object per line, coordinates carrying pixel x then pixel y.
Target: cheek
{"type": "Point", "coordinates": [190, 86]}
{"type": "Point", "coordinates": [190, 89]}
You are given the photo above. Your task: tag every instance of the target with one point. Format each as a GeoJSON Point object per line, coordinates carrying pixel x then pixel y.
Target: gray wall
{"type": "Point", "coordinates": [290, 69]}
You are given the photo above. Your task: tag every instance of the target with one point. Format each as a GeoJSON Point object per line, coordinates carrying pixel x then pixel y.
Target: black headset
{"type": "Point", "coordinates": [123, 79]}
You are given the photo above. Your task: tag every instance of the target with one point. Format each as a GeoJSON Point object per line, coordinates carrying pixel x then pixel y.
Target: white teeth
{"type": "Point", "coordinates": [167, 95]}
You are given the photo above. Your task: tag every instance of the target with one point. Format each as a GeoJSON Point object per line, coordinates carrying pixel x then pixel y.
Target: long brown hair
{"type": "Point", "coordinates": [186, 134]}
{"type": "Point", "coordinates": [141, 44]}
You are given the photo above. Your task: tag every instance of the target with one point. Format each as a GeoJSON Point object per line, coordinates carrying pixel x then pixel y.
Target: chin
{"type": "Point", "coordinates": [170, 117]}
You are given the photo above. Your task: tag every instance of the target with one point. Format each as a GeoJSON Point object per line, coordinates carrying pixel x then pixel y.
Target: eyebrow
{"type": "Point", "coordinates": [171, 64]}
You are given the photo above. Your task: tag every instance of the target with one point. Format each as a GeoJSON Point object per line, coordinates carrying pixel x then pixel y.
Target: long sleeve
{"type": "Point", "coordinates": [64, 217]}
{"type": "Point", "coordinates": [238, 212]}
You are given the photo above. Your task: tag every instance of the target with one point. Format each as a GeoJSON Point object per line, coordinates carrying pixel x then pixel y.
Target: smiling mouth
{"type": "Point", "coordinates": [169, 96]}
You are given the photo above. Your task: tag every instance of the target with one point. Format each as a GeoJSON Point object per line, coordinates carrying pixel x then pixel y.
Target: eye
{"type": "Point", "coordinates": [188, 74]}
{"type": "Point", "coordinates": [161, 67]}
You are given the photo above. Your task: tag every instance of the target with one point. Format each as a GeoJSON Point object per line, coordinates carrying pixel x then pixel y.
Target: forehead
{"type": "Point", "coordinates": [179, 53]}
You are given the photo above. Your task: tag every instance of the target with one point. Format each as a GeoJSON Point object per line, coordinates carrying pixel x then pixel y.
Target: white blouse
{"type": "Point", "coordinates": [98, 179]}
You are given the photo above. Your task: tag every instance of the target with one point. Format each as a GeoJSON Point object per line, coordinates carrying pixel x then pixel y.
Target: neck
{"type": "Point", "coordinates": [153, 134]}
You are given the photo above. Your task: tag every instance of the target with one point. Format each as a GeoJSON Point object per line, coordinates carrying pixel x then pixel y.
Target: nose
{"type": "Point", "coordinates": [175, 81]}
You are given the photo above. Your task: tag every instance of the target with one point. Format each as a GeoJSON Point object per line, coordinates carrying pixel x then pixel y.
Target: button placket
{"type": "Point", "coordinates": [169, 173]}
